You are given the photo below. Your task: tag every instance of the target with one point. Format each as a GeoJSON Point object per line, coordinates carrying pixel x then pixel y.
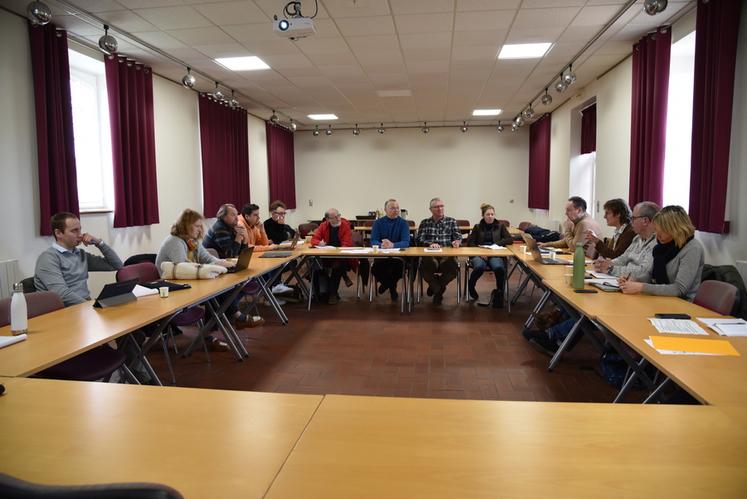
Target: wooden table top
{"type": "Point", "coordinates": [204, 443]}
{"type": "Point", "coordinates": [715, 380]}
{"type": "Point", "coordinates": [65, 333]}
{"type": "Point", "coordinates": [413, 251]}
{"type": "Point", "coordinates": [373, 447]}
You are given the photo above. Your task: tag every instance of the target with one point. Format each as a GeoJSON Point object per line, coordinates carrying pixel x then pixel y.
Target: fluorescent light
{"type": "Point", "coordinates": [249, 63]}
{"type": "Point", "coordinates": [394, 93]}
{"type": "Point", "coordinates": [322, 117]}
{"type": "Point", "coordinates": [486, 112]}
{"type": "Point", "coordinates": [524, 50]}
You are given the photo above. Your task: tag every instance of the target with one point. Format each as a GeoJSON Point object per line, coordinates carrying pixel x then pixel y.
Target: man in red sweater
{"type": "Point", "coordinates": [334, 231]}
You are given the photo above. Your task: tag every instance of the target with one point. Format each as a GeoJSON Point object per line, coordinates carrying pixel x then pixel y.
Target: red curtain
{"type": "Point", "coordinates": [58, 184]}
{"type": "Point", "coordinates": [539, 163]}
{"type": "Point", "coordinates": [281, 165]}
{"type": "Point", "coordinates": [225, 155]}
{"type": "Point", "coordinates": [649, 116]}
{"type": "Point", "coordinates": [129, 88]}
{"type": "Point", "coordinates": [589, 129]}
{"type": "Point", "coordinates": [716, 33]}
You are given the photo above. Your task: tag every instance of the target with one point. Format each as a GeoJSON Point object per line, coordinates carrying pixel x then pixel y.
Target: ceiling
{"type": "Point", "coordinates": [442, 51]}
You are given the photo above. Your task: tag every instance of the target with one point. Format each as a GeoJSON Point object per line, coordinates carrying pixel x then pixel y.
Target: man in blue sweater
{"type": "Point", "coordinates": [390, 231]}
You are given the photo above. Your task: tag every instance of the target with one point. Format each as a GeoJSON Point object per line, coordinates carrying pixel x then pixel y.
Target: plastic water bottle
{"type": "Point", "coordinates": [579, 266]}
{"type": "Point", "coordinates": [19, 319]}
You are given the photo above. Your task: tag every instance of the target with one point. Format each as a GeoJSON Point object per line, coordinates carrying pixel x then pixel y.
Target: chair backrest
{"type": "Point", "coordinates": [28, 285]}
{"type": "Point", "coordinates": [365, 217]}
{"type": "Point", "coordinates": [307, 228]}
{"type": "Point", "coordinates": [142, 257]}
{"type": "Point", "coordinates": [505, 222]}
{"type": "Point", "coordinates": [357, 238]}
{"type": "Point", "coordinates": [411, 223]}
{"type": "Point", "coordinates": [38, 303]}
{"type": "Point", "coordinates": [717, 296]}
{"type": "Point", "coordinates": [463, 223]}
{"type": "Point", "coordinates": [12, 487]}
{"type": "Point", "coordinates": [364, 223]}
{"type": "Point", "coordinates": [143, 272]}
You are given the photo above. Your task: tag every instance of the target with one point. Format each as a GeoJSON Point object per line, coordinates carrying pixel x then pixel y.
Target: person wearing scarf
{"type": "Point", "coordinates": [488, 231]}
{"type": "Point", "coordinates": [677, 258]}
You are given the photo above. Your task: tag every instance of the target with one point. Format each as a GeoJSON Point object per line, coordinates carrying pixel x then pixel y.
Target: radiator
{"type": "Point", "coordinates": [742, 268]}
{"type": "Point", "coordinates": [9, 274]}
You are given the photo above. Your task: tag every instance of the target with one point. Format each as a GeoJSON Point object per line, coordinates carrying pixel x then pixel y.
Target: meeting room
{"type": "Point", "coordinates": [373, 248]}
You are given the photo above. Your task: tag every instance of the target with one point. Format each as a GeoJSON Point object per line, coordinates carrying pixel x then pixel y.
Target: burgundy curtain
{"type": "Point", "coordinates": [225, 155]}
{"type": "Point", "coordinates": [58, 184]}
{"type": "Point", "coordinates": [539, 163]}
{"type": "Point", "coordinates": [649, 116]}
{"type": "Point", "coordinates": [281, 165]}
{"type": "Point", "coordinates": [717, 29]}
{"type": "Point", "coordinates": [589, 129]}
{"type": "Point", "coordinates": [129, 86]}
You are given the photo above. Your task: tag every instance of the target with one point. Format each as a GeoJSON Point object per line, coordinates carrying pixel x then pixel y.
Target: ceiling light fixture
{"type": "Point", "coordinates": [189, 79]}
{"type": "Point", "coordinates": [653, 7]}
{"type": "Point", "coordinates": [570, 77]}
{"type": "Point", "coordinates": [216, 94]}
{"type": "Point", "coordinates": [233, 102]}
{"type": "Point", "coordinates": [524, 50]}
{"type": "Point", "coordinates": [328, 131]}
{"type": "Point", "coordinates": [486, 112]}
{"type": "Point", "coordinates": [547, 98]}
{"type": "Point", "coordinates": [107, 43]}
{"type": "Point", "coordinates": [560, 86]}
{"type": "Point", "coordinates": [519, 121]}
{"type": "Point", "coordinates": [356, 130]}
{"type": "Point", "coordinates": [381, 129]}
{"type": "Point", "coordinates": [38, 13]}
{"type": "Point", "coordinates": [293, 125]}
{"type": "Point", "coordinates": [514, 127]}
{"type": "Point", "coordinates": [322, 117]}
{"type": "Point", "coordinates": [528, 112]}
{"type": "Point", "coordinates": [274, 118]}
{"type": "Point", "coordinates": [248, 63]}
{"type": "Point", "coordinates": [464, 127]}
{"type": "Point", "coordinates": [499, 128]}
{"type": "Point", "coordinates": [425, 128]}
{"type": "Point", "coordinates": [315, 133]}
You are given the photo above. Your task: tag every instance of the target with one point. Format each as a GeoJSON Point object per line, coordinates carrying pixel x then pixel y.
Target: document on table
{"type": "Point", "coordinates": [356, 251]}
{"type": "Point", "coordinates": [600, 275]}
{"type": "Point", "coordinates": [9, 340]}
{"type": "Point", "coordinates": [139, 291]}
{"type": "Point", "coordinates": [327, 247]}
{"type": "Point", "coordinates": [678, 326]}
{"type": "Point", "coordinates": [672, 345]}
{"type": "Point", "coordinates": [493, 246]}
{"type": "Point", "coordinates": [605, 282]}
{"type": "Point", "coordinates": [389, 250]}
{"type": "Point", "coordinates": [726, 327]}
{"type": "Point", "coordinates": [433, 250]}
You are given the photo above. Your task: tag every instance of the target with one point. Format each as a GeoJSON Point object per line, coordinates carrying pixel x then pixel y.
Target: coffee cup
{"type": "Point", "coordinates": [163, 291]}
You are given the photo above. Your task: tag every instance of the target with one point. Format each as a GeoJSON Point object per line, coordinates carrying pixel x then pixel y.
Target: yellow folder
{"type": "Point", "coordinates": [694, 345]}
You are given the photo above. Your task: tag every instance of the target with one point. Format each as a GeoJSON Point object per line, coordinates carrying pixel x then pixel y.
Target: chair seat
{"type": "Point", "coordinates": [251, 289]}
{"type": "Point", "coordinates": [95, 364]}
{"type": "Point", "coordinates": [189, 316]}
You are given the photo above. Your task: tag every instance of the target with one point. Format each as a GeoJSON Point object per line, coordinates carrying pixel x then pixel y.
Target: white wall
{"type": "Point", "coordinates": [357, 174]}
{"type": "Point", "coordinates": [259, 187]}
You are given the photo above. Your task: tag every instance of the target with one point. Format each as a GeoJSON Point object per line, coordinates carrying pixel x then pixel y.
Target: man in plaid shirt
{"type": "Point", "coordinates": [436, 232]}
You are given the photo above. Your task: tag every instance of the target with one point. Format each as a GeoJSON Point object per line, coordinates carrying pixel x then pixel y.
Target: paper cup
{"type": "Point", "coordinates": [376, 247]}
{"type": "Point", "coordinates": [163, 291]}
{"type": "Point", "coordinates": [524, 248]}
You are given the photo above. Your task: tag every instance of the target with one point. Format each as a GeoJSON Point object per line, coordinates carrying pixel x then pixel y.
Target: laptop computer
{"type": "Point", "coordinates": [282, 254]}
{"type": "Point", "coordinates": [537, 253]}
{"type": "Point", "coordinates": [243, 261]}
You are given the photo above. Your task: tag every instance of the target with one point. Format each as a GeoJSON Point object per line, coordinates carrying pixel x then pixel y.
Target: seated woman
{"type": "Point", "coordinates": [617, 214]}
{"type": "Point", "coordinates": [488, 231]}
{"type": "Point", "coordinates": [678, 258]}
{"type": "Point", "coordinates": [183, 245]}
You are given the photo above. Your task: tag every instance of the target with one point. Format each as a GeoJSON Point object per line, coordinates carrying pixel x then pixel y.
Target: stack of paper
{"type": "Point", "coordinates": [389, 250]}
{"type": "Point", "coordinates": [726, 327]}
{"type": "Point", "coordinates": [599, 275]}
{"type": "Point", "coordinates": [672, 345]}
{"type": "Point", "coordinates": [433, 250]}
{"type": "Point", "coordinates": [356, 251]}
{"type": "Point", "coordinates": [325, 247]}
{"type": "Point", "coordinates": [9, 340]}
{"type": "Point", "coordinates": [678, 326]}
{"type": "Point", "coordinates": [492, 246]}
{"type": "Point", "coordinates": [604, 282]}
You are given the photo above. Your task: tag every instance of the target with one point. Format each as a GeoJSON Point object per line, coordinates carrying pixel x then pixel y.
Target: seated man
{"type": "Point", "coordinates": [578, 222]}
{"type": "Point", "coordinates": [635, 263]}
{"type": "Point", "coordinates": [227, 237]}
{"type": "Point", "coordinates": [435, 232]}
{"type": "Point", "coordinates": [275, 227]}
{"type": "Point", "coordinates": [334, 231]}
{"type": "Point", "coordinates": [255, 230]}
{"type": "Point", "coordinates": [64, 267]}
{"type": "Point", "coordinates": [390, 231]}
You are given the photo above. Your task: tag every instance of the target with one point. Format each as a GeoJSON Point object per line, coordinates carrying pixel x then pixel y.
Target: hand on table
{"type": "Point", "coordinates": [456, 243]}
{"type": "Point", "coordinates": [434, 245]}
{"type": "Point", "coordinates": [386, 244]}
{"type": "Point", "coordinates": [629, 286]}
{"type": "Point", "coordinates": [602, 264]}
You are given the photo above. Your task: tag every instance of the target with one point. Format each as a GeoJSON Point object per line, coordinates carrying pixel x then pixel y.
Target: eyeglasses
{"type": "Point", "coordinates": [437, 206]}
{"type": "Point", "coordinates": [279, 213]}
{"type": "Point", "coordinates": [635, 217]}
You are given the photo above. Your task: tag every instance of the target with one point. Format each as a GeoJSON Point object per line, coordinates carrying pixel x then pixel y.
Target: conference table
{"type": "Point", "coordinates": [70, 331]}
{"type": "Point", "coordinates": [215, 443]}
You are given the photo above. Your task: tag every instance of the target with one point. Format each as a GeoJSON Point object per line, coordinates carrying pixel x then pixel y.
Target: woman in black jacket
{"type": "Point", "coordinates": [488, 231]}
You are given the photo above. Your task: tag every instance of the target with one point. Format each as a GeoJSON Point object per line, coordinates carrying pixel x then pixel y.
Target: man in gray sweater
{"type": "Point", "coordinates": [63, 268]}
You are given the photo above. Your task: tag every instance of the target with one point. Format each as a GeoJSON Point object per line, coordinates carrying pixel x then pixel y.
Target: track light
{"type": "Point", "coordinates": [274, 118]}
{"type": "Point", "coordinates": [514, 127]}
{"type": "Point", "coordinates": [216, 94]}
{"type": "Point", "coordinates": [38, 13]}
{"type": "Point", "coordinates": [499, 128]}
{"type": "Point", "coordinates": [315, 133]}
{"type": "Point", "coordinates": [546, 99]}
{"type": "Point", "coordinates": [560, 86]}
{"type": "Point", "coordinates": [519, 121]}
{"type": "Point", "coordinates": [652, 7]}
{"type": "Point", "coordinates": [107, 43]}
{"type": "Point", "coordinates": [189, 80]}
{"type": "Point", "coordinates": [356, 130]}
{"type": "Point", "coordinates": [381, 129]}
{"type": "Point", "coordinates": [328, 131]}
{"type": "Point", "coordinates": [528, 112]}
{"type": "Point", "coordinates": [293, 125]}
{"type": "Point", "coordinates": [425, 128]}
{"type": "Point", "coordinates": [464, 127]}
{"type": "Point", "coordinates": [233, 103]}
{"type": "Point", "coordinates": [570, 77]}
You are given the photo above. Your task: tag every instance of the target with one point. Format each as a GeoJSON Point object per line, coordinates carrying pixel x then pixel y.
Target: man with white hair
{"type": "Point", "coordinates": [436, 232]}
{"type": "Point", "coordinates": [334, 231]}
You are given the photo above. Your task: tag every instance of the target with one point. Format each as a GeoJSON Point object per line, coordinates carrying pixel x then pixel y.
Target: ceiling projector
{"type": "Point", "coordinates": [294, 28]}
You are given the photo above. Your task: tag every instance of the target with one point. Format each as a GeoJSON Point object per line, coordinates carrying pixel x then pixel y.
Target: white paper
{"type": "Point", "coordinates": [325, 247]}
{"type": "Point", "coordinates": [600, 275]}
{"type": "Point", "coordinates": [726, 327]}
{"type": "Point", "coordinates": [492, 246]}
{"type": "Point", "coordinates": [677, 326]}
{"type": "Point", "coordinates": [604, 282]}
{"type": "Point", "coordinates": [356, 251]}
{"type": "Point", "coordinates": [433, 250]}
{"type": "Point", "coordinates": [139, 291]}
{"type": "Point", "coordinates": [388, 250]}
{"type": "Point", "coordinates": [676, 352]}
{"type": "Point", "coordinates": [9, 340]}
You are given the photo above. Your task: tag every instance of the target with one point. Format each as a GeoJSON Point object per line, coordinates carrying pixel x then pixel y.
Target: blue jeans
{"type": "Point", "coordinates": [559, 331]}
{"type": "Point", "coordinates": [494, 263]}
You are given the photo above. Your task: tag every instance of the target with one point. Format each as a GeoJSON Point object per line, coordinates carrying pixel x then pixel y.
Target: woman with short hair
{"type": "Point", "coordinates": [488, 231]}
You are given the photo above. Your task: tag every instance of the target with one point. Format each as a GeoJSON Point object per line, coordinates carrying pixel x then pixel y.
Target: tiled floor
{"type": "Point", "coordinates": [361, 348]}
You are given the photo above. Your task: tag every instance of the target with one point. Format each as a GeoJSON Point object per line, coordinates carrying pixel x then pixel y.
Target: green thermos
{"type": "Point", "coordinates": [579, 266]}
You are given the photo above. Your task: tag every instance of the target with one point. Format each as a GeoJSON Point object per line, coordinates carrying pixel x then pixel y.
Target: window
{"type": "Point", "coordinates": [93, 151]}
{"type": "Point", "coordinates": [679, 122]}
